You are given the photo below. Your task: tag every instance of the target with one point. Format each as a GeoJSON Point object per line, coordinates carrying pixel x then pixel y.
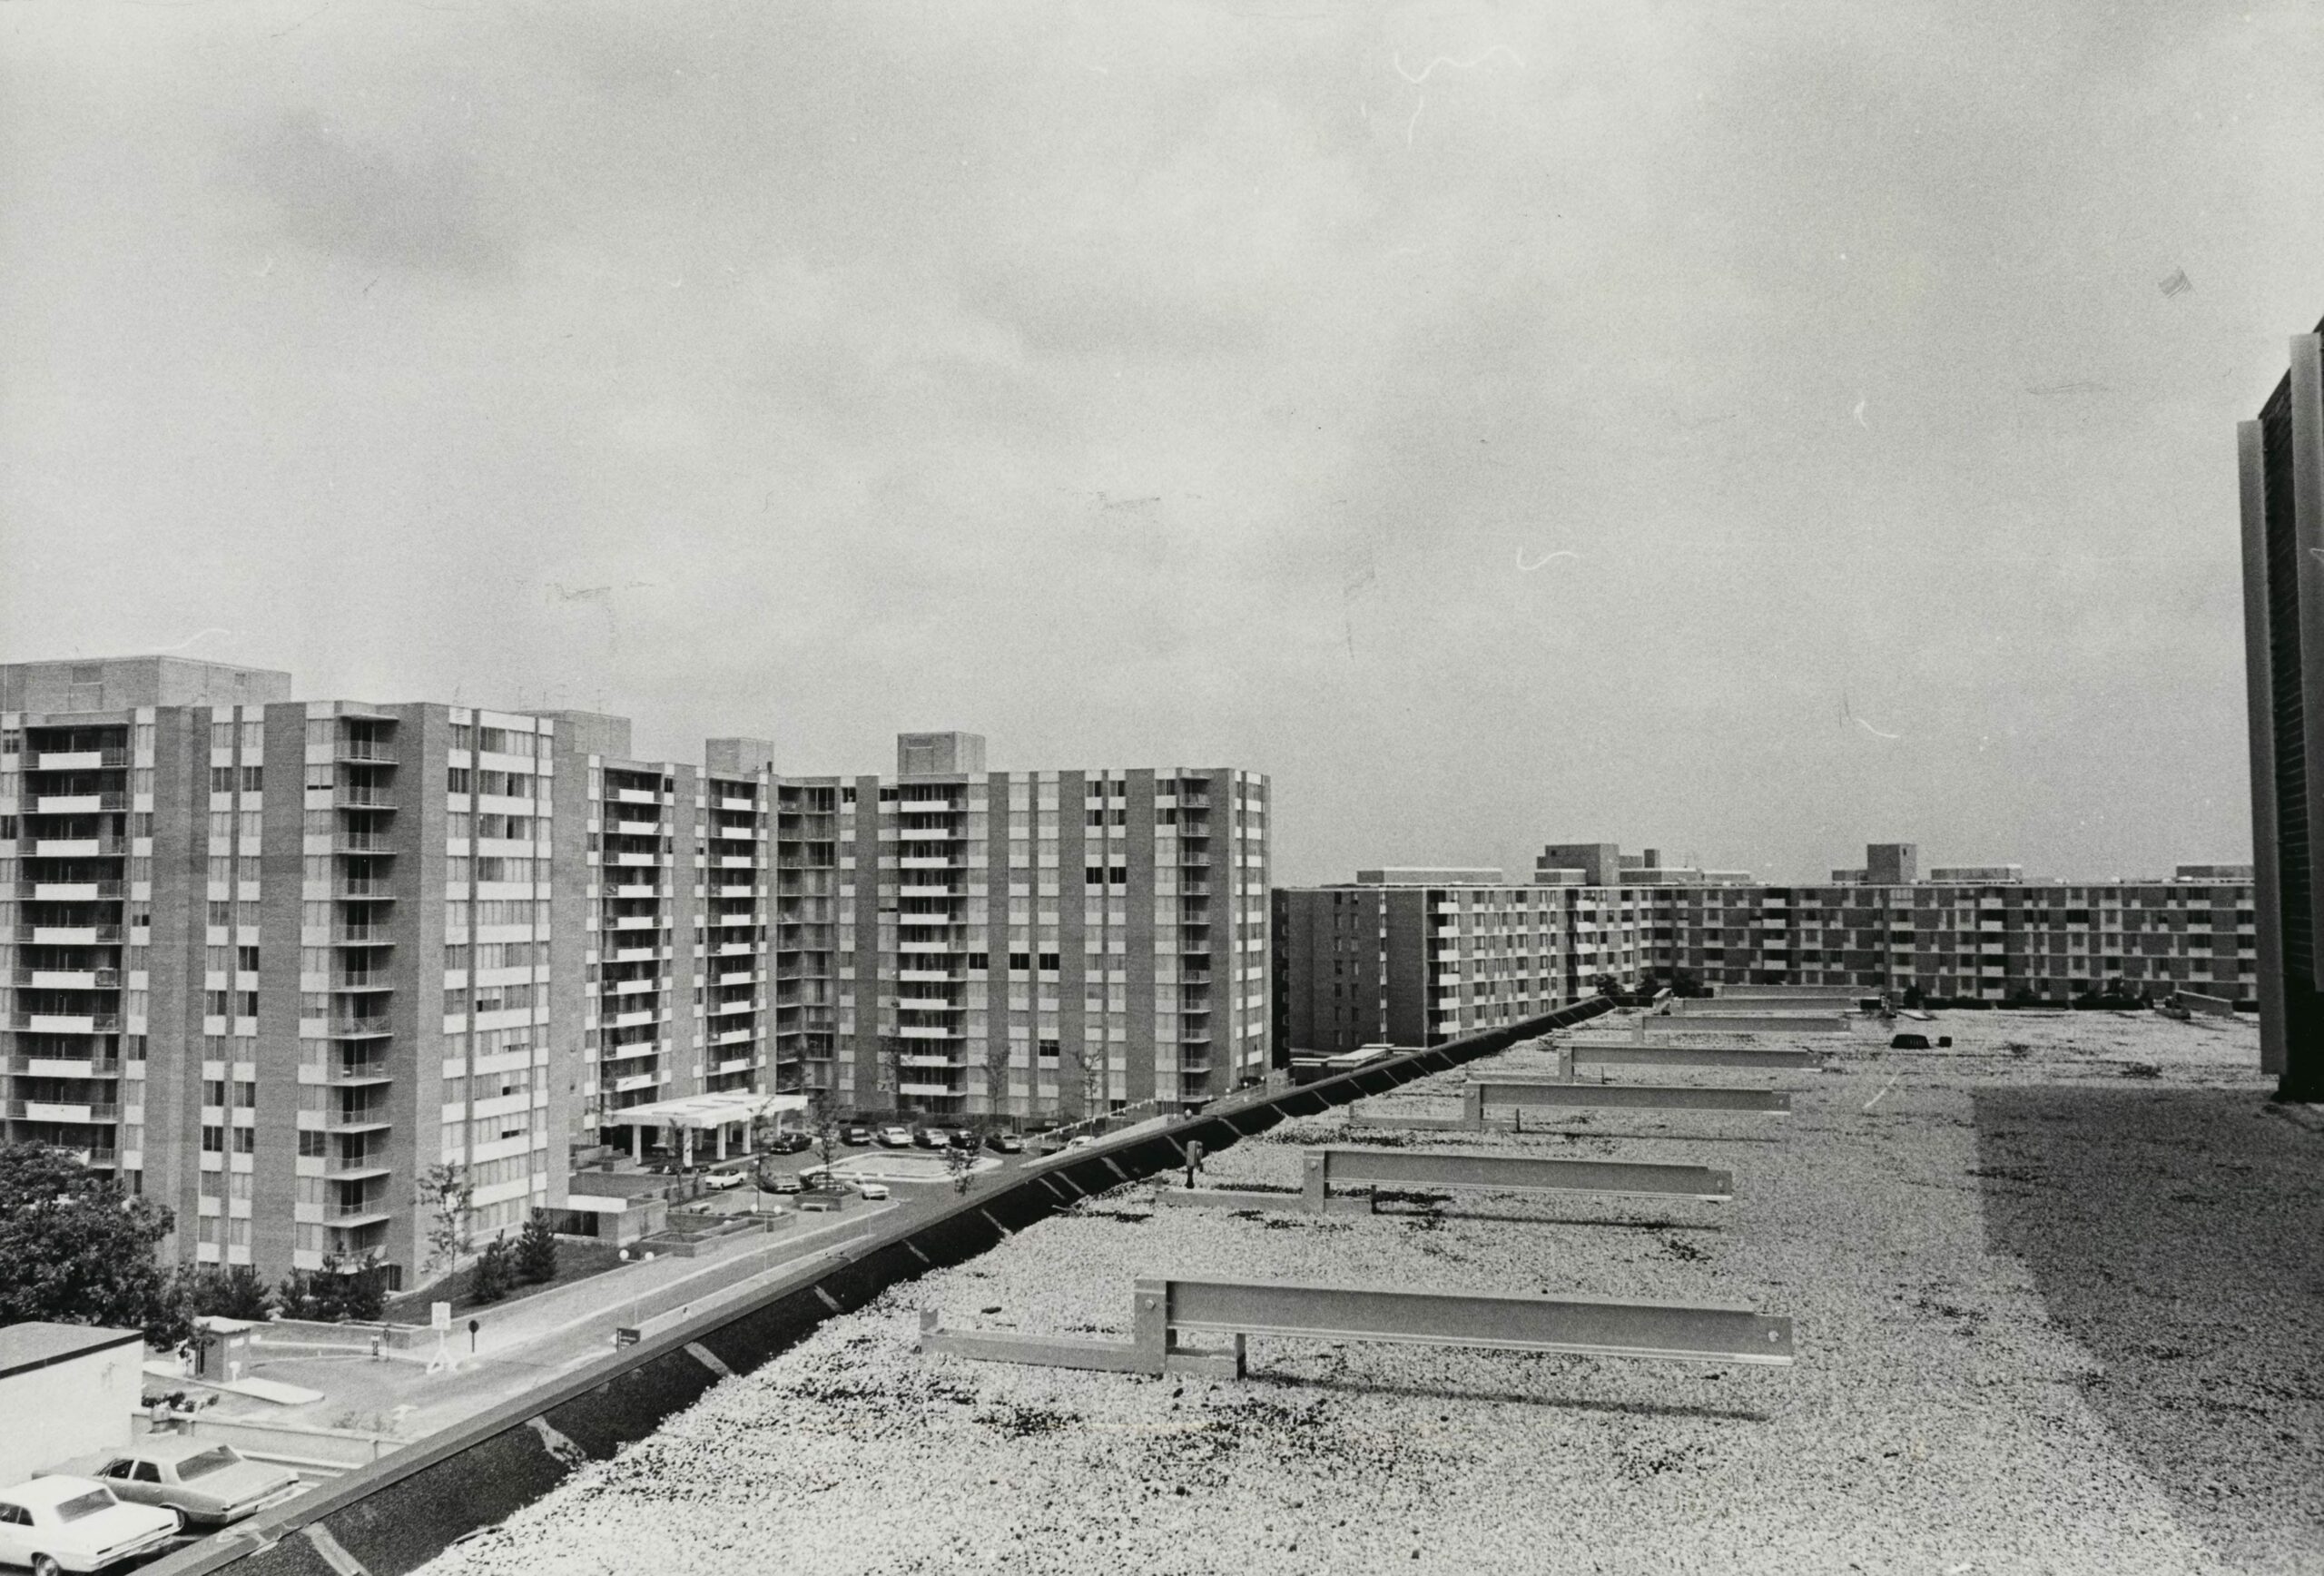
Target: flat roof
{"type": "Point", "coordinates": [37, 1343]}
{"type": "Point", "coordinates": [710, 1110]}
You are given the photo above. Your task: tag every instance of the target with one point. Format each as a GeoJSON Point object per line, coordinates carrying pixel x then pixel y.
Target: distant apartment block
{"type": "Point", "coordinates": [1414, 958]}
{"type": "Point", "coordinates": [1025, 943]}
{"type": "Point", "coordinates": [1417, 957]}
{"type": "Point", "coordinates": [2281, 461]}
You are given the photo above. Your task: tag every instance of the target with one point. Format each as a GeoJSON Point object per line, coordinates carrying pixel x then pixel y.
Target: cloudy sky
{"type": "Point", "coordinates": [1748, 430]}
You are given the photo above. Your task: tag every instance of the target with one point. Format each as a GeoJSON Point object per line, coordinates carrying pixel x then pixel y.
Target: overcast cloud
{"type": "Point", "coordinates": [1746, 430]}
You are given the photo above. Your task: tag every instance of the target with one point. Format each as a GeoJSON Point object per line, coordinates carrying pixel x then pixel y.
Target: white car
{"type": "Point", "coordinates": [872, 1189]}
{"type": "Point", "coordinates": [55, 1524]}
{"type": "Point", "coordinates": [894, 1137]}
{"type": "Point", "coordinates": [719, 1181]}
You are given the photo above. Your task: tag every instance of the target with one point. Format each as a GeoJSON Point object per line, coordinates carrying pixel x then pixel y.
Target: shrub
{"type": "Point", "coordinates": [537, 1250]}
{"type": "Point", "coordinates": [491, 1278]}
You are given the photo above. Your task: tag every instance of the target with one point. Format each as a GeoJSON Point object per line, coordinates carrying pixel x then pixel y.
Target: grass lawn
{"type": "Point", "coordinates": [575, 1261]}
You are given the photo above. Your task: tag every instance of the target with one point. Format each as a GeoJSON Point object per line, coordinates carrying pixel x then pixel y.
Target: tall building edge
{"type": "Point", "coordinates": [2281, 459]}
{"type": "Point", "coordinates": [2251, 460]}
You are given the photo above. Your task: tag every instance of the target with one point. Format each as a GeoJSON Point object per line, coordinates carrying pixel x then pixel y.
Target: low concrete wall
{"type": "Point", "coordinates": [332, 1449]}
{"type": "Point", "coordinates": [400, 1511]}
{"type": "Point", "coordinates": [1749, 1023]}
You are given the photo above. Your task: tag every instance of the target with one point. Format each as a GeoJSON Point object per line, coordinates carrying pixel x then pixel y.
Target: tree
{"type": "Point", "coordinates": [996, 1081]}
{"type": "Point", "coordinates": [1089, 1076]}
{"type": "Point", "coordinates": [489, 1281]}
{"type": "Point", "coordinates": [823, 1121]}
{"type": "Point", "coordinates": [233, 1292]}
{"type": "Point", "coordinates": [537, 1248]}
{"type": "Point", "coordinates": [450, 1197]}
{"type": "Point", "coordinates": [960, 1161]}
{"type": "Point", "coordinates": [73, 1249]}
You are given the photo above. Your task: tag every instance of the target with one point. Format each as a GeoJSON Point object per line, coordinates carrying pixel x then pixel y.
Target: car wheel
{"type": "Point", "coordinates": [46, 1565]}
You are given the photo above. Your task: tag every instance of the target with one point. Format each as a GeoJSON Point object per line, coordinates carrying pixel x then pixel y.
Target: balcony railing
{"type": "Point", "coordinates": [366, 1070]}
{"type": "Point", "coordinates": [65, 1022]}
{"type": "Point", "coordinates": [61, 1112]}
{"type": "Point", "coordinates": [69, 935]}
{"type": "Point", "coordinates": [352, 1028]}
{"type": "Point", "coordinates": [361, 936]}
{"type": "Point", "coordinates": [363, 750]}
{"type": "Point", "coordinates": [69, 979]}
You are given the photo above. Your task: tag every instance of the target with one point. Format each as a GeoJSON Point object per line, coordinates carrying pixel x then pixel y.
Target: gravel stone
{"type": "Point", "coordinates": [2049, 1319]}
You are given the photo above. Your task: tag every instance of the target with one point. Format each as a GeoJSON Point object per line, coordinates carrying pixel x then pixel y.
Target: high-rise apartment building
{"type": "Point", "coordinates": [289, 955]}
{"type": "Point", "coordinates": [270, 960]}
{"type": "Point", "coordinates": [1022, 943]}
{"type": "Point", "coordinates": [2281, 457]}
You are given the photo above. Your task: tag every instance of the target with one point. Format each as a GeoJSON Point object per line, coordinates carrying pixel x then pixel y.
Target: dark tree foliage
{"type": "Point", "coordinates": [493, 1276]}
{"type": "Point", "coordinates": [232, 1292]}
{"type": "Point", "coordinates": [73, 1249]}
{"type": "Point", "coordinates": [339, 1290]}
{"type": "Point", "coordinates": [537, 1250]}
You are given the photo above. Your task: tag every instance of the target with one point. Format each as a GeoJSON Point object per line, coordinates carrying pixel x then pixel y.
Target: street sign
{"type": "Point", "coordinates": [439, 1315]}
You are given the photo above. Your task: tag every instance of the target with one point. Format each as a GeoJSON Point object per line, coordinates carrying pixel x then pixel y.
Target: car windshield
{"type": "Point", "coordinates": [209, 1461]}
{"type": "Point", "coordinates": [88, 1504]}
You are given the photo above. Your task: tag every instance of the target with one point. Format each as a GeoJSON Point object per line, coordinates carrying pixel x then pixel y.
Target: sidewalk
{"type": "Point", "coordinates": [532, 1342]}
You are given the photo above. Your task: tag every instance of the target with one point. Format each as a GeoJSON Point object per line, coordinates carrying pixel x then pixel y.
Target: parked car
{"type": "Point", "coordinates": [1005, 1143]}
{"type": "Point", "coordinates": [1908, 1042]}
{"type": "Point", "coordinates": [790, 1143]}
{"type": "Point", "coordinates": [962, 1139]}
{"type": "Point", "coordinates": [855, 1135]}
{"type": "Point", "coordinates": [779, 1182]}
{"type": "Point", "coordinates": [73, 1523]}
{"type": "Point", "coordinates": [872, 1189]}
{"type": "Point", "coordinates": [928, 1137]}
{"type": "Point", "coordinates": [1080, 1142]}
{"type": "Point", "coordinates": [719, 1181]}
{"type": "Point", "coordinates": [207, 1482]}
{"type": "Point", "coordinates": [895, 1137]}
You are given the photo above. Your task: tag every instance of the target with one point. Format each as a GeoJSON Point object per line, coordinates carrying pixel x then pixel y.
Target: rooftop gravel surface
{"type": "Point", "coordinates": [2059, 1303]}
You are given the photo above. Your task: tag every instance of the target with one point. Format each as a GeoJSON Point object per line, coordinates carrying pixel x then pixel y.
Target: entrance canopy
{"type": "Point", "coordinates": [691, 1113]}
{"type": "Point", "coordinates": [704, 1111]}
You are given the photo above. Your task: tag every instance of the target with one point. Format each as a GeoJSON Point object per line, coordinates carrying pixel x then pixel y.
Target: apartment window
{"type": "Point", "coordinates": [245, 1140]}
{"type": "Point", "coordinates": [313, 1143]}
{"type": "Point", "coordinates": [213, 1092]}
{"type": "Point", "coordinates": [457, 779]}
{"type": "Point", "coordinates": [221, 779]}
{"type": "Point", "coordinates": [246, 959]}
{"type": "Point", "coordinates": [1048, 1049]}
{"type": "Point", "coordinates": [213, 1140]}
{"type": "Point", "coordinates": [253, 779]}
{"type": "Point", "coordinates": [245, 1094]}
{"type": "Point", "coordinates": [978, 960]}
{"type": "Point", "coordinates": [1048, 961]}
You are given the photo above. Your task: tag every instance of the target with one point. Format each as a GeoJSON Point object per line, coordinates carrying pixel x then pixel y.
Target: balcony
{"type": "Point", "coordinates": [379, 981]}
{"type": "Point", "coordinates": [636, 922]}
{"type": "Point", "coordinates": [344, 797]}
{"type": "Point", "coordinates": [70, 979]}
{"type": "Point", "coordinates": [632, 1051]}
{"type": "Point", "coordinates": [929, 1031]}
{"type": "Point", "coordinates": [65, 1066]}
{"type": "Point", "coordinates": [727, 1008]}
{"type": "Point", "coordinates": [343, 842]}
{"type": "Point", "coordinates": [361, 1214]}
{"type": "Point", "coordinates": [362, 750]}
{"type": "Point", "coordinates": [79, 761]}
{"type": "Point", "coordinates": [363, 889]}
{"type": "Point", "coordinates": [70, 935]}
{"type": "Point", "coordinates": [634, 796]}
{"type": "Point", "coordinates": [354, 1167]}
{"type": "Point", "coordinates": [364, 1120]}
{"type": "Point", "coordinates": [61, 1112]}
{"type": "Point", "coordinates": [63, 1023]}
{"type": "Point", "coordinates": [359, 1071]}
{"type": "Point", "coordinates": [357, 1028]}
{"type": "Point", "coordinates": [741, 1036]}
{"type": "Point", "coordinates": [77, 848]}
{"type": "Point", "coordinates": [76, 892]}
{"type": "Point", "coordinates": [361, 936]}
